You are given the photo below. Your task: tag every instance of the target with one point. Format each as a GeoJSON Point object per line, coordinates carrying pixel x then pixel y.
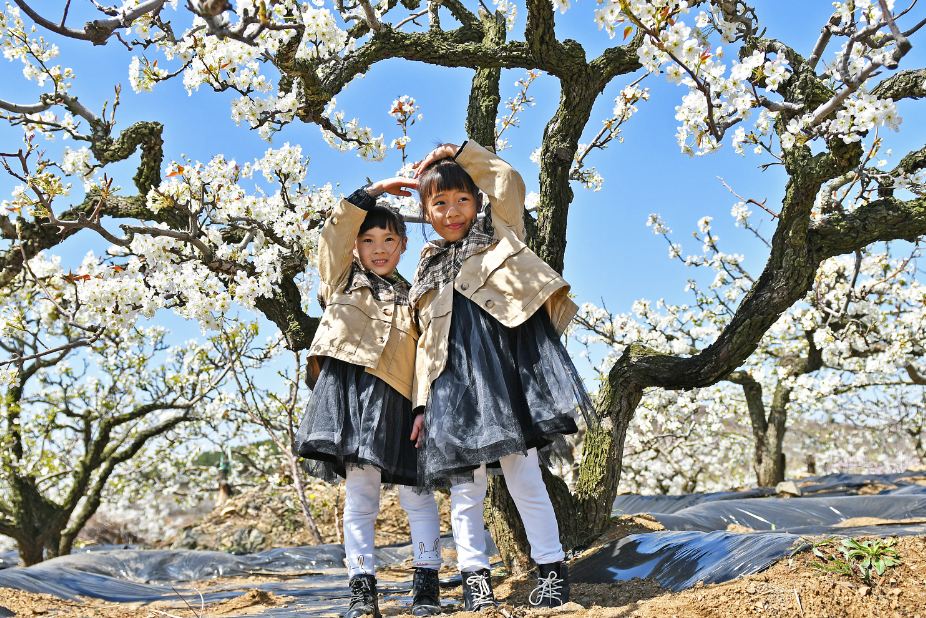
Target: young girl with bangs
{"type": "Point", "coordinates": [494, 382]}
{"type": "Point", "coordinates": [359, 417]}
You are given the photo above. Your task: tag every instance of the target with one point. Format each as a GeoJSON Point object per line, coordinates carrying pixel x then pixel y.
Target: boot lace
{"type": "Point", "coordinates": [360, 591]}
{"type": "Point", "coordinates": [426, 588]}
{"type": "Point", "coordinates": [482, 596]}
{"type": "Point", "coordinates": [547, 588]}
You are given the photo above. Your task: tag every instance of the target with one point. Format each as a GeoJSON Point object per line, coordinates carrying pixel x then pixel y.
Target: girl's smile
{"type": "Point", "coordinates": [452, 213]}
{"type": "Point", "coordinates": [379, 250]}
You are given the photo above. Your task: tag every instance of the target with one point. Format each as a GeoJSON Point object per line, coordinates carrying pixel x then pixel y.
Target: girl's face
{"type": "Point", "coordinates": [452, 213]}
{"type": "Point", "coordinates": [379, 250]}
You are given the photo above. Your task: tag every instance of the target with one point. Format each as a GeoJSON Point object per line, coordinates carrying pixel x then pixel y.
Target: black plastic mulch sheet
{"type": "Point", "coordinates": [67, 583]}
{"type": "Point", "coordinates": [679, 560]}
{"type": "Point", "coordinates": [696, 547]}
{"type": "Point", "coordinates": [849, 484]}
{"type": "Point", "coordinates": [142, 575]}
{"type": "Point", "coordinates": [9, 559]}
{"type": "Point", "coordinates": [812, 486]}
{"type": "Point", "coordinates": [785, 513]}
{"type": "Point", "coordinates": [633, 504]}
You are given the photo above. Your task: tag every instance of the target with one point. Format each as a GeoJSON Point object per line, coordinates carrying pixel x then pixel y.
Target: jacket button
{"type": "Point", "coordinates": [334, 220]}
{"type": "Point", "coordinates": [464, 286]}
{"type": "Point", "coordinates": [387, 311]}
{"type": "Point", "coordinates": [380, 340]}
{"type": "Point", "coordinates": [490, 303]}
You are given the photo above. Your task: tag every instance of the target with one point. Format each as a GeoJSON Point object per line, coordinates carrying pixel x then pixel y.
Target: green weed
{"type": "Point", "coordinates": [854, 558]}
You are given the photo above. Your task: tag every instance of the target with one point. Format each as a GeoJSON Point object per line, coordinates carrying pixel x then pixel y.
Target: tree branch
{"type": "Point", "coordinates": [881, 220]}
{"type": "Point", "coordinates": [915, 375]}
{"type": "Point", "coordinates": [752, 390]}
{"type": "Point", "coordinates": [97, 31]}
{"type": "Point", "coordinates": [906, 84]}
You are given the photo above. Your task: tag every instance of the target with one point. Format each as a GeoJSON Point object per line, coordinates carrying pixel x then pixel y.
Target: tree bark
{"type": "Point", "coordinates": [916, 434]}
{"type": "Point", "coordinates": [770, 459]}
{"type": "Point", "coordinates": [769, 430]}
{"type": "Point", "coordinates": [600, 468]}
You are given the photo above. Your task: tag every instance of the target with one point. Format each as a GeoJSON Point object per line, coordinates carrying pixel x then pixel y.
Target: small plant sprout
{"type": "Point", "coordinates": [854, 558]}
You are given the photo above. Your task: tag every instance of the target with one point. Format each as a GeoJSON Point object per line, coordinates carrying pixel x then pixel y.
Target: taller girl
{"type": "Point", "coordinates": [492, 375]}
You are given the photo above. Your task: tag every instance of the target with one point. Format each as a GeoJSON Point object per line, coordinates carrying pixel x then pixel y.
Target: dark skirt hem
{"type": "Point", "coordinates": [355, 419]}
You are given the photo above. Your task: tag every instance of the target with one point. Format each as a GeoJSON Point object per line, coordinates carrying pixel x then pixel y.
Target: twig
{"type": "Point", "coordinates": [411, 18]}
{"type": "Point", "coordinates": [858, 267]}
{"type": "Point", "coordinates": [157, 611]}
{"type": "Point", "coordinates": [202, 602]}
{"type": "Point", "coordinates": [750, 200]}
{"type": "Point", "coordinates": [798, 599]}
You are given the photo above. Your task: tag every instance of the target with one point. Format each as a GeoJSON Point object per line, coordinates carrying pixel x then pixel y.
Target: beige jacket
{"type": "Point", "coordinates": [508, 280]}
{"type": "Point", "coordinates": [356, 327]}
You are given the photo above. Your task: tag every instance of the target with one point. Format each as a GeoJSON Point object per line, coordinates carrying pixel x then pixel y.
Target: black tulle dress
{"type": "Point", "coordinates": [503, 391]}
{"type": "Point", "coordinates": [354, 418]}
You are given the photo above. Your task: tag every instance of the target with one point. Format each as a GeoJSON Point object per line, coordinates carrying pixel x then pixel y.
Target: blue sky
{"type": "Point", "coordinates": [611, 255]}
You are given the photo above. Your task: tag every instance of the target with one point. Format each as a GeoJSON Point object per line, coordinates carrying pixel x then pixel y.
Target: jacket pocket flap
{"type": "Point", "coordinates": [478, 270]}
{"type": "Point", "coordinates": [441, 304]}
{"type": "Point", "coordinates": [406, 324]}
{"type": "Point", "coordinates": [360, 299]}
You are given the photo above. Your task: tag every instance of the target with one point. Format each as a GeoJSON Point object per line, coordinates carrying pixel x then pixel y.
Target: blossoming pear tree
{"type": "Point", "coordinates": [219, 232]}
{"type": "Point", "coordinates": [859, 330]}
{"type": "Point", "coordinates": [72, 417]}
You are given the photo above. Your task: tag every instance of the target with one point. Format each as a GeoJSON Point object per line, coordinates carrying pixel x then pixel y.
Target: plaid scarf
{"type": "Point", "coordinates": [441, 260]}
{"type": "Point", "coordinates": [394, 289]}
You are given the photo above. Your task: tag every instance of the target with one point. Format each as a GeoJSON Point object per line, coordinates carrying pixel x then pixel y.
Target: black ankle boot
{"type": "Point", "coordinates": [477, 591]}
{"type": "Point", "coordinates": [552, 586]}
{"type": "Point", "coordinates": [363, 597]}
{"type": "Point", "coordinates": [425, 593]}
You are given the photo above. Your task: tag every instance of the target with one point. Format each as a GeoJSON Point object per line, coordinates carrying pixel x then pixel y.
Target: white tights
{"type": "Point", "coordinates": [361, 506]}
{"type": "Point", "coordinates": [525, 482]}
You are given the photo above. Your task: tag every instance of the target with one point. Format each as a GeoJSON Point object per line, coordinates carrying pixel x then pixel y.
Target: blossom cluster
{"type": "Point", "coordinates": [224, 63]}
{"type": "Point", "coordinates": [509, 9]}
{"type": "Point", "coordinates": [167, 269]}
{"type": "Point", "coordinates": [717, 99]}
{"type": "Point", "coordinates": [351, 136]}
{"type": "Point", "coordinates": [35, 54]}
{"type": "Point", "coordinates": [404, 111]}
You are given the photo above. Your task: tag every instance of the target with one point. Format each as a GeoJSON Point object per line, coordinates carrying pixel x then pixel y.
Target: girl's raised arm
{"type": "Point", "coordinates": [501, 182]}
{"type": "Point", "coordinates": [336, 243]}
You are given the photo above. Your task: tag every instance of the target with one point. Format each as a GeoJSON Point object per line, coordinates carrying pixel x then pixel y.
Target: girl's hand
{"type": "Point", "coordinates": [417, 433]}
{"type": "Point", "coordinates": [395, 186]}
{"type": "Point", "coordinates": [443, 151]}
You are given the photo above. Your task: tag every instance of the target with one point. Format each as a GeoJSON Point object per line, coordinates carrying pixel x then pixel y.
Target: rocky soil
{"type": "Point", "coordinates": [265, 517]}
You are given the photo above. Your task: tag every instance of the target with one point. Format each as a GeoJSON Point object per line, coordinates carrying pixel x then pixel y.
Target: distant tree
{"type": "Point", "coordinates": [854, 338]}
{"type": "Point", "coordinates": [73, 415]}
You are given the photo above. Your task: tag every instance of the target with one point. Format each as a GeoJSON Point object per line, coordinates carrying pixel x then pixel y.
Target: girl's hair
{"type": "Point", "coordinates": [444, 175]}
{"type": "Point", "coordinates": [385, 218]}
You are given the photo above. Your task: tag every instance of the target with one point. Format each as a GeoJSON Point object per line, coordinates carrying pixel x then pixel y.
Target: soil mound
{"type": "Point", "coordinates": [266, 517]}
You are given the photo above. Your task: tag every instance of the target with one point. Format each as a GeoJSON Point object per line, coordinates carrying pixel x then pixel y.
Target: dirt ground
{"type": "Point", "coordinates": [274, 513]}
{"type": "Point", "coordinates": [784, 590]}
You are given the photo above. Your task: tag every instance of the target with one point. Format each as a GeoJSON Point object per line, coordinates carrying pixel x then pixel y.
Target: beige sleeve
{"type": "Point", "coordinates": [500, 181]}
{"type": "Point", "coordinates": [336, 246]}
